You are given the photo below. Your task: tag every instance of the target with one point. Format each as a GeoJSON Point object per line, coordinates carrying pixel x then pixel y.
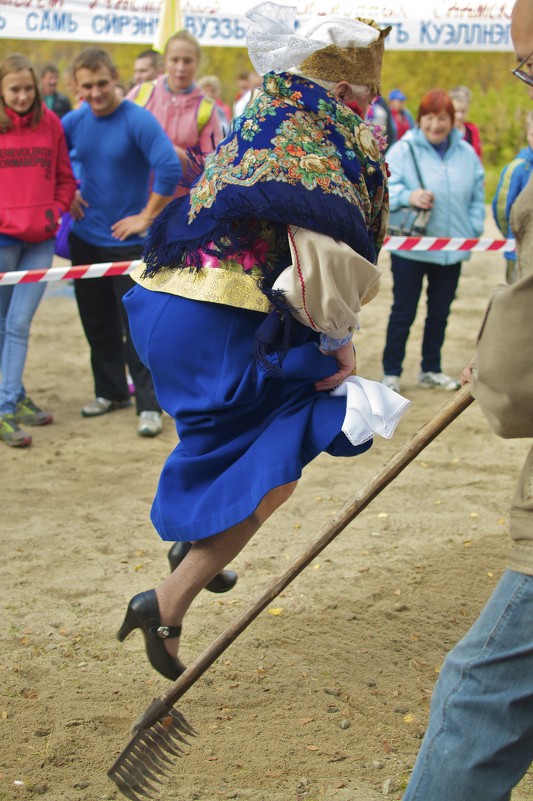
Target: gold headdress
{"type": "Point", "coordinates": [328, 48]}
{"type": "Point", "coordinates": [352, 63]}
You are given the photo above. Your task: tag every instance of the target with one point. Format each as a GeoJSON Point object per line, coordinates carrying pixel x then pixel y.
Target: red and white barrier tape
{"type": "Point", "coordinates": [433, 243]}
{"type": "Point", "coordinates": [104, 270]}
{"type": "Point", "coordinates": [419, 244]}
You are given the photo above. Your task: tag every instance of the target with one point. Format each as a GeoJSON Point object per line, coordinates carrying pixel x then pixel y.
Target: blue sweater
{"type": "Point", "coordinates": [457, 181]}
{"type": "Point", "coordinates": [513, 179]}
{"type": "Point", "coordinates": [117, 154]}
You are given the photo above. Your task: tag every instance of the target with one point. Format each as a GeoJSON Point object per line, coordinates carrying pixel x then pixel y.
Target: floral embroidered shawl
{"type": "Point", "coordinates": [296, 156]}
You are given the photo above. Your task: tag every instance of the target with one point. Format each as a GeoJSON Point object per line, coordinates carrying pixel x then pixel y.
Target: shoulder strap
{"type": "Point", "coordinates": [417, 168]}
{"type": "Point", "coordinates": [144, 94]}
{"type": "Point", "coordinates": [203, 114]}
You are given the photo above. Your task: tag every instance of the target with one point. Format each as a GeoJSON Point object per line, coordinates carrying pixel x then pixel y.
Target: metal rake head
{"type": "Point", "coordinates": [146, 758]}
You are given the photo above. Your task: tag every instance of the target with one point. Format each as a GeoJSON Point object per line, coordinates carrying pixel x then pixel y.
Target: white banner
{"type": "Point", "coordinates": [417, 25]}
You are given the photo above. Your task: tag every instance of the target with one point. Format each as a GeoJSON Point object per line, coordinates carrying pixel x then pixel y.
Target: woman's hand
{"type": "Point", "coordinates": [422, 198]}
{"type": "Point", "coordinates": [345, 356]}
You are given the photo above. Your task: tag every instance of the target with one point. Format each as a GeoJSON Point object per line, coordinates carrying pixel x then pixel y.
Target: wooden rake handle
{"type": "Point", "coordinates": [446, 415]}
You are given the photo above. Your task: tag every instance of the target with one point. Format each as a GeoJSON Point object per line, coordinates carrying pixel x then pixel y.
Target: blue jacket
{"type": "Point", "coordinates": [457, 181]}
{"type": "Point", "coordinates": [513, 179]}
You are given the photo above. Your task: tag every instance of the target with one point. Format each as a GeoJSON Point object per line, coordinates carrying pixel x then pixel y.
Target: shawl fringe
{"type": "Point", "coordinates": [228, 233]}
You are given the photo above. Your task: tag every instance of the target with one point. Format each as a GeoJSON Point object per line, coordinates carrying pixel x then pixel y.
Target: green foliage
{"type": "Point", "coordinates": [499, 106]}
{"type": "Point", "coordinates": [226, 62]}
{"type": "Point", "coordinates": [499, 101]}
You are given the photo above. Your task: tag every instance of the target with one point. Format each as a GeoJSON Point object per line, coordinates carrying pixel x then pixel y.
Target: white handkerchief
{"type": "Point", "coordinates": [371, 408]}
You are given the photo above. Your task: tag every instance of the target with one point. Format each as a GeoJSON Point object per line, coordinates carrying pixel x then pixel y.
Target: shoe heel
{"type": "Point", "coordinates": [222, 582]}
{"type": "Point", "coordinates": [177, 554]}
{"type": "Point", "coordinates": [130, 623]}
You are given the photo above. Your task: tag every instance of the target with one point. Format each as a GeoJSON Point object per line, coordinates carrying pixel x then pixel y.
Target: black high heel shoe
{"type": "Point", "coordinates": [222, 582]}
{"type": "Point", "coordinates": [143, 613]}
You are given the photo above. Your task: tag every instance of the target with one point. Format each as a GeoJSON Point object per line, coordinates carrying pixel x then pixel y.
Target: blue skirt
{"type": "Point", "coordinates": [242, 432]}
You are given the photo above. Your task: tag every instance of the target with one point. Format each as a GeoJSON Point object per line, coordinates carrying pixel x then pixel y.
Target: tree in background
{"type": "Point", "coordinates": [499, 106]}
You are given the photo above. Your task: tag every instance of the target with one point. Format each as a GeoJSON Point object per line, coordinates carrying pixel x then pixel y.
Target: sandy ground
{"type": "Point", "coordinates": [328, 698]}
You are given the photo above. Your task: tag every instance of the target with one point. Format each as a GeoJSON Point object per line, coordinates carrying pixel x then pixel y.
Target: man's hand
{"type": "Point", "coordinates": [466, 372]}
{"type": "Point", "coordinates": [136, 224]}
{"type": "Point", "coordinates": [139, 223]}
{"type": "Point", "coordinates": [77, 205]}
{"type": "Point", "coordinates": [345, 356]}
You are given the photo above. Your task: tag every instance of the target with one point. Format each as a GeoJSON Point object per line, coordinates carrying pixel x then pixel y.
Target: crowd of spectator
{"type": "Point", "coordinates": [134, 146]}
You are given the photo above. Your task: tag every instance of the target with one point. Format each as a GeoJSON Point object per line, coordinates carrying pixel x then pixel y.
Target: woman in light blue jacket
{"type": "Point", "coordinates": [454, 191]}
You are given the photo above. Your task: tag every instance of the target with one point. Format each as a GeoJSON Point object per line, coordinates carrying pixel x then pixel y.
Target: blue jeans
{"type": "Point", "coordinates": [479, 740]}
{"type": "Point", "coordinates": [408, 274]}
{"type": "Point", "coordinates": [18, 304]}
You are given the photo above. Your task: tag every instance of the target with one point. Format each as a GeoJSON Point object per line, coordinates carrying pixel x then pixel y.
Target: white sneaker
{"type": "Point", "coordinates": [100, 406]}
{"type": "Point", "coordinates": [438, 381]}
{"type": "Point", "coordinates": [392, 382]}
{"type": "Point", "coordinates": [150, 424]}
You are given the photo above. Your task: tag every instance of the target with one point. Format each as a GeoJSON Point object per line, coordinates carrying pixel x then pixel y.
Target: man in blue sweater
{"type": "Point", "coordinates": [122, 151]}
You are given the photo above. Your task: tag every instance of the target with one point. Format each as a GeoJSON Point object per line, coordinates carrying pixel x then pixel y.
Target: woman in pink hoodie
{"type": "Point", "coordinates": [36, 187]}
{"type": "Point", "coordinates": [188, 117]}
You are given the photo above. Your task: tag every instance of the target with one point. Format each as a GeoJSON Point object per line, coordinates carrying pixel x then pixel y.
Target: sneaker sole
{"type": "Point", "coordinates": [115, 407]}
{"type": "Point", "coordinates": [34, 421]}
{"type": "Point", "coordinates": [438, 386]}
{"type": "Point", "coordinates": [24, 442]}
{"type": "Point", "coordinates": [146, 432]}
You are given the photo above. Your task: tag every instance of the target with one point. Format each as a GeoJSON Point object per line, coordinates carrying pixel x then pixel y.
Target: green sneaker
{"type": "Point", "coordinates": [28, 414]}
{"type": "Point", "coordinates": [11, 434]}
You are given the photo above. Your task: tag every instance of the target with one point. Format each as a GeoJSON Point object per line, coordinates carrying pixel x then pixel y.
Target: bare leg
{"type": "Point", "coordinates": [207, 558]}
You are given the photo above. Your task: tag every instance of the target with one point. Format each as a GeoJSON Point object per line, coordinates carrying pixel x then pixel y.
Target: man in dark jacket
{"type": "Point", "coordinates": [56, 102]}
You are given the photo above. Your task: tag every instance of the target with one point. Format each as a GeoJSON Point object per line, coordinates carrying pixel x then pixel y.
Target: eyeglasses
{"type": "Point", "coordinates": [522, 74]}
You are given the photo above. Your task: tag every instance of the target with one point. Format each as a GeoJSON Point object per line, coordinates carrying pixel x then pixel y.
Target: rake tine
{"type": "Point", "coordinates": [179, 738]}
{"type": "Point", "coordinates": [158, 761]}
{"type": "Point", "coordinates": [146, 758]}
{"type": "Point", "coordinates": [158, 753]}
{"type": "Point", "coordinates": [138, 774]}
{"type": "Point", "coordinates": [125, 790]}
{"type": "Point", "coordinates": [149, 772]}
{"type": "Point", "coordinates": [155, 764]}
{"type": "Point", "coordinates": [166, 740]}
{"type": "Point", "coordinates": [130, 787]}
{"type": "Point", "coordinates": [141, 785]}
{"type": "Point", "coordinates": [148, 748]}
{"type": "Point", "coordinates": [182, 724]}
{"type": "Point", "coordinates": [161, 754]}
{"type": "Point", "coordinates": [161, 726]}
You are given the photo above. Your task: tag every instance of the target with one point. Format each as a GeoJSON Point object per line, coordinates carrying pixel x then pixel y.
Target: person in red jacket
{"type": "Point", "coordinates": [36, 187]}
